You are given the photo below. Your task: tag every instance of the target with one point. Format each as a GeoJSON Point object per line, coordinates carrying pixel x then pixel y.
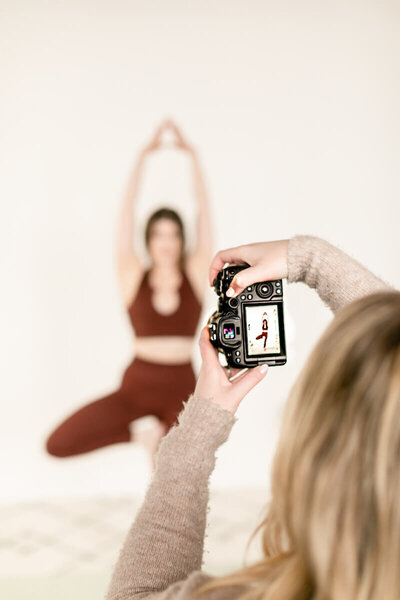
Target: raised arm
{"type": "Point", "coordinates": [337, 277]}
{"type": "Point", "coordinates": [203, 247]}
{"type": "Point", "coordinates": [198, 260]}
{"type": "Point", "coordinates": [162, 556]}
{"type": "Point", "coordinates": [129, 267]}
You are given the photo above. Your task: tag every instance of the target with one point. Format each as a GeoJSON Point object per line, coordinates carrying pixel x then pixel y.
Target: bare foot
{"type": "Point", "coordinates": [149, 436]}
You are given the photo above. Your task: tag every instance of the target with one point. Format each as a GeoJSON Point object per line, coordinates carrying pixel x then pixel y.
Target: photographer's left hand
{"type": "Point", "coordinates": [213, 382]}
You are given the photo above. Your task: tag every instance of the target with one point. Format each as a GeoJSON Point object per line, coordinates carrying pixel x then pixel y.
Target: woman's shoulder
{"type": "Point", "coordinates": [130, 275]}
{"type": "Point", "coordinates": [136, 283]}
{"type": "Point", "coordinates": [196, 278]}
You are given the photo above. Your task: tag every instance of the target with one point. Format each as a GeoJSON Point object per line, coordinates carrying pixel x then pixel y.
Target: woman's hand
{"type": "Point", "coordinates": [267, 260]}
{"type": "Point", "coordinates": [180, 141]}
{"type": "Point", "coordinates": [213, 382]}
{"type": "Point", "coordinates": [155, 142]}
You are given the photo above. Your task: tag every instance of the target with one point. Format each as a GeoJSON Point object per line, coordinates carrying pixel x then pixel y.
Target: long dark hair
{"type": "Point", "coordinates": [172, 215]}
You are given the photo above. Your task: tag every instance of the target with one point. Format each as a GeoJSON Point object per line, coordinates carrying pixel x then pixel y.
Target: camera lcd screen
{"type": "Point", "coordinates": [229, 331]}
{"type": "Point", "coordinates": [262, 330]}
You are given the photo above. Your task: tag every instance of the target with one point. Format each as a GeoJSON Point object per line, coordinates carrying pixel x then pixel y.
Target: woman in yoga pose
{"type": "Point", "coordinates": [264, 329]}
{"type": "Point", "coordinates": [164, 304]}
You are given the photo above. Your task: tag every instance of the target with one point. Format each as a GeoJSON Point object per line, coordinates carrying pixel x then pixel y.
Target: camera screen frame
{"type": "Point", "coordinates": [282, 341]}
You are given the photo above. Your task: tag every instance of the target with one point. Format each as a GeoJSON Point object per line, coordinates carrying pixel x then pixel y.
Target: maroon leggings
{"type": "Point", "coordinates": [146, 389]}
{"type": "Point", "coordinates": [264, 334]}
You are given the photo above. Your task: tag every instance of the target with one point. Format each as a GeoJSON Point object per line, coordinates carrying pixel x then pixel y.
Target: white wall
{"type": "Point", "coordinates": [293, 108]}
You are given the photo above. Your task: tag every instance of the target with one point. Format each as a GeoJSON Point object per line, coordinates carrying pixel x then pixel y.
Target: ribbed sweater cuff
{"type": "Point", "coordinates": [200, 416]}
{"type": "Point", "coordinates": [202, 427]}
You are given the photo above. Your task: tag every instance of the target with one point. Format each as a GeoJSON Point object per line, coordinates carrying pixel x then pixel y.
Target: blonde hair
{"type": "Point", "coordinates": [332, 527]}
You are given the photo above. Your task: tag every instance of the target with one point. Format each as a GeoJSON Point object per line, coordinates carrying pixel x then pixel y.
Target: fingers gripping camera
{"type": "Point", "coordinates": [249, 329]}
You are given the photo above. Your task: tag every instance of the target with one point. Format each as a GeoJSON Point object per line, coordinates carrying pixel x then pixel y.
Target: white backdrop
{"type": "Point", "coordinates": [293, 108]}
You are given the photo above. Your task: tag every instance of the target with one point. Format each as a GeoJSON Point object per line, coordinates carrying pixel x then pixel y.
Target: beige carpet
{"type": "Point", "coordinates": [67, 549]}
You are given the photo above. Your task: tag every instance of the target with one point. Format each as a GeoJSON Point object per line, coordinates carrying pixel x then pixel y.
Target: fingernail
{"type": "Point", "coordinates": [263, 368]}
{"type": "Point", "coordinates": [230, 292]}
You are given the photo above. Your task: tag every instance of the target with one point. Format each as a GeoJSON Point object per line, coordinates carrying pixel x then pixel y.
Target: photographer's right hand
{"type": "Point", "coordinates": [214, 381]}
{"type": "Point", "coordinates": [267, 260]}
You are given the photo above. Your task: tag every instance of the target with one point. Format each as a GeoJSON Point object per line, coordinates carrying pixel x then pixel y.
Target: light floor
{"type": "Point", "coordinates": [64, 549]}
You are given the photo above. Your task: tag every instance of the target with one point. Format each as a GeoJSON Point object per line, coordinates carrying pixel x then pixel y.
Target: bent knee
{"type": "Point", "coordinates": [55, 447]}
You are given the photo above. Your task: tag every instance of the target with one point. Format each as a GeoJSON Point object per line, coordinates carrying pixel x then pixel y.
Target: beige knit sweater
{"type": "Point", "coordinates": [162, 556]}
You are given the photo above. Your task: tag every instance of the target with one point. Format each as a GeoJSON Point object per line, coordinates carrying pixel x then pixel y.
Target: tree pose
{"type": "Point", "coordinates": [164, 303]}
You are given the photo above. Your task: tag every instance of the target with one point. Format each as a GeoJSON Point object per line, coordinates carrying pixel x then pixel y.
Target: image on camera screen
{"type": "Point", "coordinates": [229, 331]}
{"type": "Point", "coordinates": [262, 330]}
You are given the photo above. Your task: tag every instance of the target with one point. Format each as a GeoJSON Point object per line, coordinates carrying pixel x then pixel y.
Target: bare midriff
{"type": "Point", "coordinates": [165, 349]}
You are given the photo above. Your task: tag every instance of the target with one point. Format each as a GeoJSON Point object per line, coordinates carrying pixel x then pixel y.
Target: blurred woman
{"type": "Point", "coordinates": [164, 303]}
{"type": "Point", "coordinates": [331, 528]}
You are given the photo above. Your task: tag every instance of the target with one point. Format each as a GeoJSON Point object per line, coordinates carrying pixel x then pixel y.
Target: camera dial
{"type": "Point", "coordinates": [264, 289]}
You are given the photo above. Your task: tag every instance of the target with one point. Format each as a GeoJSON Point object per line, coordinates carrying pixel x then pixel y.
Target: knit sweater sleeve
{"type": "Point", "coordinates": [337, 277]}
{"type": "Point", "coordinates": [163, 552]}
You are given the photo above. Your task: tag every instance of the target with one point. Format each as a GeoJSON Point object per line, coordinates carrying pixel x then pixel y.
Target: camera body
{"type": "Point", "coordinates": [249, 328]}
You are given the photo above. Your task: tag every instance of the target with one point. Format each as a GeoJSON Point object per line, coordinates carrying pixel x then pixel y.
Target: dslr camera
{"type": "Point", "coordinates": [249, 328]}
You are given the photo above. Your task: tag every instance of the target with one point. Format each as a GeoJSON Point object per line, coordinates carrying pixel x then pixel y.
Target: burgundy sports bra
{"type": "Point", "coordinates": [147, 321]}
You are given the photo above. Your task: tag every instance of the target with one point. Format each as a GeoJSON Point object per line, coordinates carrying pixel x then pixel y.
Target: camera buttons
{"type": "Point", "coordinates": [233, 302]}
{"type": "Point", "coordinates": [278, 284]}
{"type": "Point", "coordinates": [278, 291]}
{"type": "Point", "coordinates": [264, 289]}
{"type": "Point", "coordinates": [237, 352]}
{"type": "Point", "coordinates": [237, 360]}
{"type": "Point", "coordinates": [250, 296]}
{"type": "Point", "coordinates": [249, 288]}
{"type": "Point", "coordinates": [243, 297]}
